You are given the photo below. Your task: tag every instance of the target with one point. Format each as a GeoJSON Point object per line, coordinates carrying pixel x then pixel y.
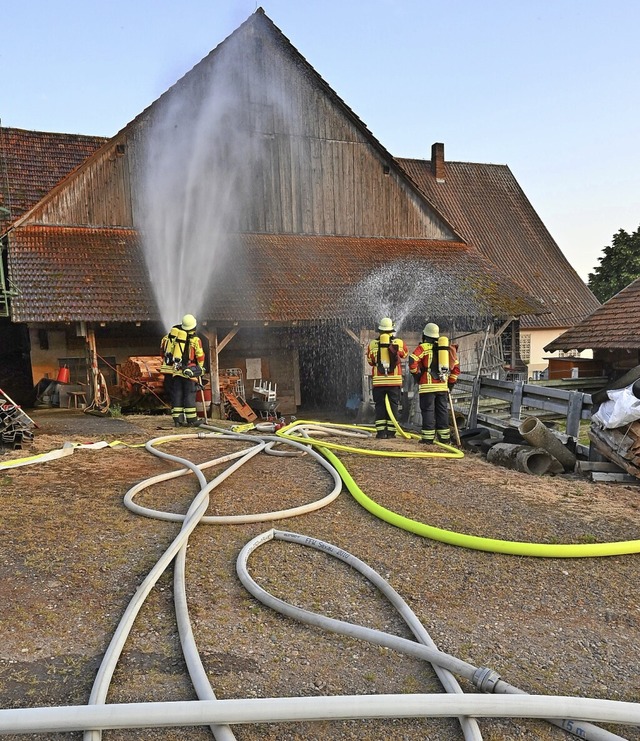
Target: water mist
{"type": "Point", "coordinates": [197, 159]}
{"type": "Point", "coordinates": [416, 291]}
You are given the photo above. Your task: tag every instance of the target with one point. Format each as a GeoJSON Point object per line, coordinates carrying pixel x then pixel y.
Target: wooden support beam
{"type": "Point", "coordinates": [223, 343]}
{"type": "Point", "coordinates": [212, 336]}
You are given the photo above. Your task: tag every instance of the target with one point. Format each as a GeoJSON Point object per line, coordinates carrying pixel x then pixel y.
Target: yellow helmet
{"type": "Point", "coordinates": [386, 325]}
{"type": "Point", "coordinates": [188, 322]}
{"type": "Point", "coordinates": [431, 330]}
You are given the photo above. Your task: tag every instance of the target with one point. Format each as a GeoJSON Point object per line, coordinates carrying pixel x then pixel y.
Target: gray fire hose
{"type": "Point", "coordinates": [485, 679]}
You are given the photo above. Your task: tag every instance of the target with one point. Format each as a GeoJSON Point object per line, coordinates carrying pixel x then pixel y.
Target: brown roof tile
{"type": "Point", "coordinates": [80, 273]}
{"type": "Point", "coordinates": [489, 210]}
{"type": "Point", "coordinates": [614, 325]}
{"type": "Point", "coordinates": [32, 162]}
{"type": "Point", "coordinates": [310, 278]}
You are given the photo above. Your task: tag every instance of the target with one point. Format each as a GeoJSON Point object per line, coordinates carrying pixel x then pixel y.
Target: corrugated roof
{"type": "Point", "coordinates": [490, 211]}
{"type": "Point", "coordinates": [32, 162]}
{"type": "Point", "coordinates": [81, 273]}
{"type": "Point", "coordinates": [614, 325]}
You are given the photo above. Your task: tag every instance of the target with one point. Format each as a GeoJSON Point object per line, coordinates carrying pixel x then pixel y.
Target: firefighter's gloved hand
{"type": "Point", "coordinates": [451, 384]}
{"type": "Point", "coordinates": [187, 373]}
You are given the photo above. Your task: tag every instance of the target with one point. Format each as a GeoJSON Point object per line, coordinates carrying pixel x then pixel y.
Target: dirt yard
{"type": "Point", "coordinates": [72, 556]}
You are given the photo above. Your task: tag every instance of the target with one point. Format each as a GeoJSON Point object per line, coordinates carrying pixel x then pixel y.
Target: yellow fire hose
{"type": "Point", "coordinates": [289, 430]}
{"type": "Point", "coordinates": [474, 542]}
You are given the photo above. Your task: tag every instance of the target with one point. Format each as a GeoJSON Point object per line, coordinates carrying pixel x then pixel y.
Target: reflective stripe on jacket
{"type": "Point", "coordinates": [381, 376]}
{"type": "Point", "coordinates": [421, 361]}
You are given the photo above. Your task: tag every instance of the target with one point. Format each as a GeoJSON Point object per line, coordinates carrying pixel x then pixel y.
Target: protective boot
{"type": "Point", "coordinates": [444, 436]}
{"type": "Point", "coordinates": [381, 428]}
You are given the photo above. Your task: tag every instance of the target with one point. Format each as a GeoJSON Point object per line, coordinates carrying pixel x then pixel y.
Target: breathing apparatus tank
{"type": "Point", "coordinates": [443, 357]}
{"type": "Point", "coordinates": [383, 353]}
{"type": "Point", "coordinates": [386, 329]}
{"type": "Point", "coordinates": [174, 350]}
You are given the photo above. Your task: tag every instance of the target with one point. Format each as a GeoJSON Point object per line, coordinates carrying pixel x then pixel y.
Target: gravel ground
{"type": "Point", "coordinates": [72, 556]}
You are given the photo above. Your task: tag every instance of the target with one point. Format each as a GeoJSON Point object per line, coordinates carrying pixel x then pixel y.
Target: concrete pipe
{"type": "Point", "coordinates": [537, 434]}
{"type": "Point", "coordinates": [523, 458]}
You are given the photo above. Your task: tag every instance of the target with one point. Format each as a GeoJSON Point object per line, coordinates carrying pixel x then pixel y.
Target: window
{"type": "Point", "coordinates": [525, 347]}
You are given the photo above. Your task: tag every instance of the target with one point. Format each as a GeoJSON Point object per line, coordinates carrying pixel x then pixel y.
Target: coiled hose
{"type": "Point", "coordinates": [483, 678]}
{"type": "Point", "coordinates": [219, 713]}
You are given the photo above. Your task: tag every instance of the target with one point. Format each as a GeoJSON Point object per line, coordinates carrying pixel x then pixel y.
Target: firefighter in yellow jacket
{"type": "Point", "coordinates": [384, 355]}
{"type": "Point", "coordinates": [429, 365]}
{"type": "Point", "coordinates": [183, 365]}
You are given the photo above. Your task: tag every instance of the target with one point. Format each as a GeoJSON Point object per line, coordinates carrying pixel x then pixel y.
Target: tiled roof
{"type": "Point", "coordinates": [78, 274]}
{"type": "Point", "coordinates": [67, 274]}
{"type": "Point", "coordinates": [614, 325]}
{"type": "Point", "coordinates": [488, 209]}
{"type": "Point", "coordinates": [311, 278]}
{"type": "Point", "coordinates": [32, 162]}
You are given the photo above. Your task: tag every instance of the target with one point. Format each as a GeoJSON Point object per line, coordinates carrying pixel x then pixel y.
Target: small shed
{"type": "Point", "coordinates": [612, 331]}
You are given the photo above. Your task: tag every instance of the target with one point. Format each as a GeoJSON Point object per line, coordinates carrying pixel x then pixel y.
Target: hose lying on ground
{"type": "Point", "coordinates": [209, 711]}
{"type": "Point", "coordinates": [484, 679]}
{"type": "Point", "coordinates": [317, 708]}
{"type": "Point", "coordinates": [515, 548]}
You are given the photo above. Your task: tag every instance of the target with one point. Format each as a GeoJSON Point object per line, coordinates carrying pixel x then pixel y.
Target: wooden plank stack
{"type": "Point", "coordinates": [620, 445]}
{"type": "Point", "coordinates": [141, 375]}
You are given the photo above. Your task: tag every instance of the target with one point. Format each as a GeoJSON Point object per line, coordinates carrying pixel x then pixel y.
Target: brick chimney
{"type": "Point", "coordinates": [437, 161]}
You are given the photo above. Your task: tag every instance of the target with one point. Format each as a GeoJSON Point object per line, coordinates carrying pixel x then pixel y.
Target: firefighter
{"type": "Point", "coordinates": [429, 365]}
{"type": "Point", "coordinates": [183, 365]}
{"type": "Point", "coordinates": [385, 355]}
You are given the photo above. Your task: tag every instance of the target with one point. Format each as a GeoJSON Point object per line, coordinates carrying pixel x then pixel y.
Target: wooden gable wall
{"type": "Point", "coordinates": [312, 166]}
{"type": "Point", "coordinates": [99, 193]}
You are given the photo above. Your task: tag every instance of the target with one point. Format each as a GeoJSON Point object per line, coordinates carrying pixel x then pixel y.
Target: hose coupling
{"type": "Point", "coordinates": [485, 679]}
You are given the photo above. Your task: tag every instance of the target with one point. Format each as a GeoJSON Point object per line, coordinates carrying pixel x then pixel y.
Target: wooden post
{"type": "Point", "coordinates": [92, 370]}
{"type": "Point", "coordinates": [211, 334]}
{"type": "Point", "coordinates": [574, 413]}
{"type": "Point", "coordinates": [364, 413]}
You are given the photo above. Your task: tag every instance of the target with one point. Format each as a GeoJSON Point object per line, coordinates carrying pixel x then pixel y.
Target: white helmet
{"type": "Point", "coordinates": [386, 325]}
{"type": "Point", "coordinates": [431, 330]}
{"type": "Point", "coordinates": [188, 322]}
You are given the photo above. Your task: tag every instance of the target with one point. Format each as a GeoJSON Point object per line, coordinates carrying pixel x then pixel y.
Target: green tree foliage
{"type": "Point", "coordinates": [619, 266]}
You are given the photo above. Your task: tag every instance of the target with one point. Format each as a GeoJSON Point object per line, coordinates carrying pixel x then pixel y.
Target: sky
{"type": "Point", "coordinates": [550, 88]}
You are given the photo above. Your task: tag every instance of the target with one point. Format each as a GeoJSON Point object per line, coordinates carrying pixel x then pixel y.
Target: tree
{"type": "Point", "coordinates": [619, 266]}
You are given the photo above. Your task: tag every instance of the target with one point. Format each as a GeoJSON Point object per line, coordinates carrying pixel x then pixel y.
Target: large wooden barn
{"type": "Point", "coordinates": [249, 194]}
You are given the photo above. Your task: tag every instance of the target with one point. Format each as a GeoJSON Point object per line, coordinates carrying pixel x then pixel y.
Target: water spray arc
{"type": "Point", "coordinates": [197, 166]}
